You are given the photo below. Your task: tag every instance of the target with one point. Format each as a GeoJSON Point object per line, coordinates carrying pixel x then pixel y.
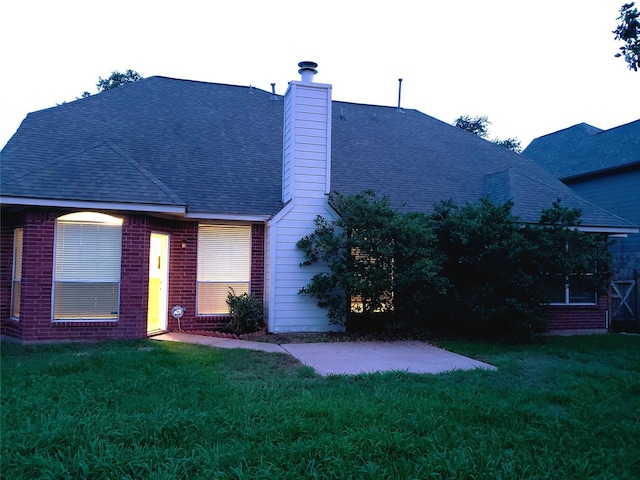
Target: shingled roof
{"type": "Point", "coordinates": [587, 150]}
{"type": "Point", "coordinates": [216, 149]}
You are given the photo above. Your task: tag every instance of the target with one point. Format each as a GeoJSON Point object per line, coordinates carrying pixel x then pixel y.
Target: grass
{"type": "Point", "coordinates": [562, 408]}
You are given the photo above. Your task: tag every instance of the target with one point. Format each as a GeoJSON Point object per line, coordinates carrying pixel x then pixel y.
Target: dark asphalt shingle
{"type": "Point", "coordinates": [218, 150]}
{"type": "Point", "coordinates": [584, 149]}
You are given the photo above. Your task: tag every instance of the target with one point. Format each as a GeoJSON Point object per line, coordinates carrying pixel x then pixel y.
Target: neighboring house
{"type": "Point", "coordinates": [603, 166]}
{"type": "Point", "coordinates": [163, 193]}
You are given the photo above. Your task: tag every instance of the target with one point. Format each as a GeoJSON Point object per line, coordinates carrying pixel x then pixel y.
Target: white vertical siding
{"type": "Point", "coordinates": [307, 141]}
{"type": "Point", "coordinates": [306, 174]}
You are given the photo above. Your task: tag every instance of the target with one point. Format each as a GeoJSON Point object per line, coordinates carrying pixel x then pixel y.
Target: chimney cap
{"type": "Point", "coordinates": [310, 66]}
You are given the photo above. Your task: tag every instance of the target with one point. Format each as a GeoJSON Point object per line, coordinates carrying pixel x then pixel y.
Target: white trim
{"type": "Point", "coordinates": [610, 230]}
{"type": "Point", "coordinates": [222, 216]}
{"type": "Point", "coordinates": [14, 279]}
{"type": "Point", "coordinates": [56, 277]}
{"type": "Point", "coordinates": [328, 159]}
{"type": "Point", "coordinates": [132, 207]}
{"type": "Point", "coordinates": [163, 307]}
{"type": "Point", "coordinates": [614, 231]}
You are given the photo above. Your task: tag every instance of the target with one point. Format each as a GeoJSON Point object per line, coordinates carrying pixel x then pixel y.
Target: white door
{"type": "Point", "coordinates": [158, 283]}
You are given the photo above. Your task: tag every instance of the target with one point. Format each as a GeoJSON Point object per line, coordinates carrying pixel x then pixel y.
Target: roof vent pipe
{"type": "Point", "coordinates": [273, 92]}
{"type": "Point", "coordinates": [399, 93]}
{"type": "Point", "coordinates": [307, 70]}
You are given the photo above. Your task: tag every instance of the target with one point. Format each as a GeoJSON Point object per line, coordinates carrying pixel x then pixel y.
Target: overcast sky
{"type": "Point", "coordinates": [532, 67]}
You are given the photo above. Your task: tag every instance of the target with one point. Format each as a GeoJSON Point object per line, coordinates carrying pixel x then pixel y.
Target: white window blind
{"type": "Point", "coordinates": [17, 272]}
{"type": "Point", "coordinates": [87, 268]}
{"type": "Point", "coordinates": [224, 262]}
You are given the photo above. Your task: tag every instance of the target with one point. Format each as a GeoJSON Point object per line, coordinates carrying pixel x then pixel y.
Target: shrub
{"type": "Point", "coordinates": [246, 313]}
{"type": "Point", "coordinates": [494, 284]}
{"type": "Point", "coordinates": [474, 270]}
{"type": "Point", "coordinates": [382, 260]}
{"type": "Point", "coordinates": [358, 251]}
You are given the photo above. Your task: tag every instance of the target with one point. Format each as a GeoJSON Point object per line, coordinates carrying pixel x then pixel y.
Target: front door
{"type": "Point", "coordinates": [158, 283]}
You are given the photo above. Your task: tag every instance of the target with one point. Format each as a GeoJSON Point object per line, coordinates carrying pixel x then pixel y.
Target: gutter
{"type": "Point", "coordinates": [32, 202]}
{"type": "Point", "coordinates": [176, 210]}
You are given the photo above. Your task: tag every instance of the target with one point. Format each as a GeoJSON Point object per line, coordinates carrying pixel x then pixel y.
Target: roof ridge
{"type": "Point", "coordinates": [51, 163]}
{"type": "Point", "coordinates": [204, 82]}
{"type": "Point", "coordinates": [146, 173]}
{"type": "Point", "coordinates": [584, 125]}
{"type": "Point", "coordinates": [618, 126]}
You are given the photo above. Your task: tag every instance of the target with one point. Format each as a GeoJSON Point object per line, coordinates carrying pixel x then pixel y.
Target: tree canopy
{"type": "Point", "coordinates": [477, 125]}
{"type": "Point", "coordinates": [629, 32]}
{"type": "Point", "coordinates": [472, 269]}
{"type": "Point", "coordinates": [114, 80]}
{"type": "Point", "coordinates": [117, 79]}
{"type": "Point", "coordinates": [480, 126]}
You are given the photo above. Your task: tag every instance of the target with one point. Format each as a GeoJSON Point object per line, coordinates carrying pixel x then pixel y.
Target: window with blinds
{"type": "Point", "coordinates": [224, 262]}
{"type": "Point", "coordinates": [16, 280]}
{"type": "Point", "coordinates": [87, 267]}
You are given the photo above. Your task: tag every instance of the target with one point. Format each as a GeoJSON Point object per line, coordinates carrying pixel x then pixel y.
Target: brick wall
{"type": "Point", "coordinates": [579, 317]}
{"type": "Point", "coordinates": [37, 278]}
{"type": "Point", "coordinates": [183, 277]}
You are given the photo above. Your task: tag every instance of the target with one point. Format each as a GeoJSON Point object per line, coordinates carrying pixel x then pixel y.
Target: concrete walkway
{"type": "Point", "coordinates": [350, 358]}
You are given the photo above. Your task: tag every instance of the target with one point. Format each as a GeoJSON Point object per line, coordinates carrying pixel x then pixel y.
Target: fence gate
{"type": "Point", "coordinates": [623, 304]}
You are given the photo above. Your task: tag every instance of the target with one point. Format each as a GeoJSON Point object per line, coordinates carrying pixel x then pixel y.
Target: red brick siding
{"type": "Point", "coordinates": [38, 250]}
{"type": "Point", "coordinates": [183, 277]}
{"type": "Point", "coordinates": [257, 260]}
{"type": "Point", "coordinates": [37, 279]}
{"type": "Point", "coordinates": [579, 317]}
{"type": "Point", "coordinates": [37, 276]}
{"type": "Point", "coordinates": [182, 274]}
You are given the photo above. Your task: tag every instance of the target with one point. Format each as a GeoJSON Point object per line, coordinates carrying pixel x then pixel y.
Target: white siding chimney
{"type": "Point", "coordinates": [306, 181]}
{"type": "Point", "coordinates": [306, 168]}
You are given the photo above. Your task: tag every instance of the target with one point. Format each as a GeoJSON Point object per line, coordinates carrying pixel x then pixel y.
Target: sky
{"type": "Point", "coordinates": [531, 67]}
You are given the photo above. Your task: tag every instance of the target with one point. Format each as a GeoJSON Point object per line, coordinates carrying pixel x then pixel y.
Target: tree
{"type": "Point", "coordinates": [117, 79]}
{"type": "Point", "coordinates": [502, 275]}
{"type": "Point", "coordinates": [477, 125]}
{"type": "Point", "coordinates": [512, 144]}
{"type": "Point", "coordinates": [494, 282]}
{"type": "Point", "coordinates": [475, 269]}
{"type": "Point", "coordinates": [378, 261]}
{"type": "Point", "coordinates": [480, 126]}
{"type": "Point", "coordinates": [357, 248]}
{"type": "Point", "coordinates": [629, 32]}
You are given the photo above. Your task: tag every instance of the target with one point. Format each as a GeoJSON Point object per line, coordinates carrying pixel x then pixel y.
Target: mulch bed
{"type": "Point", "coordinates": [281, 338]}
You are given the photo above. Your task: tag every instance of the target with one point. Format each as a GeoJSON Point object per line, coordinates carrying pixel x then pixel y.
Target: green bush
{"type": "Point", "coordinates": [246, 313]}
{"type": "Point", "coordinates": [473, 270]}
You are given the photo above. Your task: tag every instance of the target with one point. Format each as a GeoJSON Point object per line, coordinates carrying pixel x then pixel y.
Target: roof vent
{"type": "Point", "coordinates": [273, 92]}
{"type": "Point", "coordinates": [399, 93]}
{"type": "Point", "coordinates": [307, 70]}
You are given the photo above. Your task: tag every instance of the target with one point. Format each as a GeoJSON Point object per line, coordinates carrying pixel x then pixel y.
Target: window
{"type": "Point", "coordinates": [224, 261]}
{"type": "Point", "coordinates": [570, 290]}
{"type": "Point", "coordinates": [87, 267]}
{"type": "Point", "coordinates": [16, 280]}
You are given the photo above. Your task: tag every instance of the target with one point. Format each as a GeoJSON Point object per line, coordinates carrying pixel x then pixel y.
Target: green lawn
{"type": "Point", "coordinates": [565, 408]}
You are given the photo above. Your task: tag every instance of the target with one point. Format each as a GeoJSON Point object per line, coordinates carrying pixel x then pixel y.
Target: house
{"type": "Point", "coordinates": [603, 167]}
{"type": "Point", "coordinates": [135, 210]}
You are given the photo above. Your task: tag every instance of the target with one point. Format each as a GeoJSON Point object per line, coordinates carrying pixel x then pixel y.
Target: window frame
{"type": "Point", "coordinates": [64, 278]}
{"type": "Point", "coordinates": [18, 245]}
{"type": "Point", "coordinates": [209, 275]}
{"type": "Point", "coordinates": [567, 295]}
